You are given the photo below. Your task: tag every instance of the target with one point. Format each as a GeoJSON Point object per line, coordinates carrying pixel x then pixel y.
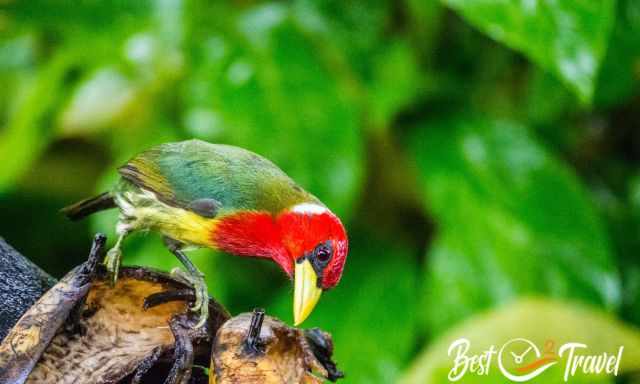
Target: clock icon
{"type": "Point", "coordinates": [520, 359]}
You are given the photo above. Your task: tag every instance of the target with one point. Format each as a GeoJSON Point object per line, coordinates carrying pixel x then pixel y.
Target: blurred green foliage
{"type": "Point", "coordinates": [479, 151]}
{"type": "Point", "coordinates": [496, 193]}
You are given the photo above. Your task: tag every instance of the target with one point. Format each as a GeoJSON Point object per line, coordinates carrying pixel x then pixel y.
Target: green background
{"type": "Point", "coordinates": [483, 154]}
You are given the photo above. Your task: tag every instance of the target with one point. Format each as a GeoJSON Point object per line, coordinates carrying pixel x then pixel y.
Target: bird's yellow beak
{"type": "Point", "coordinates": [306, 292]}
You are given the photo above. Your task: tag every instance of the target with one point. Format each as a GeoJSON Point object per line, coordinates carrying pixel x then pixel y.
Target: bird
{"type": "Point", "coordinates": [198, 194]}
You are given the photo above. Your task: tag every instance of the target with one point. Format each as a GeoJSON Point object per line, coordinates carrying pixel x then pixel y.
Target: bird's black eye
{"type": "Point", "coordinates": [323, 253]}
{"type": "Point", "coordinates": [320, 259]}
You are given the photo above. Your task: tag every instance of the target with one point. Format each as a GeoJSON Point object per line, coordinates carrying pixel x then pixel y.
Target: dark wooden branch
{"type": "Point", "coordinates": [21, 284]}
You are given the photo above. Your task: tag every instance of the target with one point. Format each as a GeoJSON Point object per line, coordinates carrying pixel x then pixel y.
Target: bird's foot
{"type": "Point", "coordinates": [112, 263]}
{"type": "Point", "coordinates": [201, 303]}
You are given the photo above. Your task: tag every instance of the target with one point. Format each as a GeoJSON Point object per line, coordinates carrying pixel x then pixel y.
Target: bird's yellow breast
{"type": "Point", "coordinates": [141, 210]}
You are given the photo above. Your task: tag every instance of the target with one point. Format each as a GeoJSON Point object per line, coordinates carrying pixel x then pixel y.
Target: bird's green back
{"type": "Point", "coordinates": [182, 172]}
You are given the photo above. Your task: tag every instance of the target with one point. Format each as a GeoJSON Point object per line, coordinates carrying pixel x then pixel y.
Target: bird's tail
{"type": "Point", "coordinates": [86, 207]}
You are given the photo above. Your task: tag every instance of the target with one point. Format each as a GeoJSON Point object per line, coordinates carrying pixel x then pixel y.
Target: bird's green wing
{"type": "Point", "coordinates": [143, 172]}
{"type": "Point", "coordinates": [184, 174]}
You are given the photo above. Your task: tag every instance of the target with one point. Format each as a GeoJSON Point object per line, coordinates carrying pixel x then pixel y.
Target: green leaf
{"type": "Point", "coordinates": [370, 313]}
{"type": "Point", "coordinates": [97, 103]}
{"type": "Point", "coordinates": [266, 87]}
{"type": "Point", "coordinates": [548, 101]}
{"type": "Point", "coordinates": [379, 70]}
{"type": "Point", "coordinates": [95, 15]}
{"type": "Point", "coordinates": [618, 79]}
{"type": "Point", "coordinates": [26, 133]}
{"type": "Point", "coordinates": [511, 220]}
{"type": "Point", "coordinates": [356, 28]}
{"type": "Point", "coordinates": [394, 84]}
{"type": "Point", "coordinates": [619, 205]}
{"type": "Point", "coordinates": [537, 320]}
{"type": "Point", "coordinates": [567, 38]}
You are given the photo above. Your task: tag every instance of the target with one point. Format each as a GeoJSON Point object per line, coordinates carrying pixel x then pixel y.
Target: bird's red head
{"type": "Point", "coordinates": [308, 241]}
{"type": "Point", "coordinates": [312, 232]}
{"type": "Point", "coordinates": [316, 241]}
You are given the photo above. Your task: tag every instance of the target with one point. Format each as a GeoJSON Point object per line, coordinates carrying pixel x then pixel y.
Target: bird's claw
{"type": "Point", "coordinates": [204, 314]}
{"type": "Point", "coordinates": [201, 302]}
{"type": "Point", "coordinates": [112, 263]}
{"type": "Point", "coordinates": [181, 276]}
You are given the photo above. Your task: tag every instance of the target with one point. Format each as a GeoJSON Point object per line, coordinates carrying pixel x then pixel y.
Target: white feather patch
{"type": "Point", "coordinates": [309, 208]}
